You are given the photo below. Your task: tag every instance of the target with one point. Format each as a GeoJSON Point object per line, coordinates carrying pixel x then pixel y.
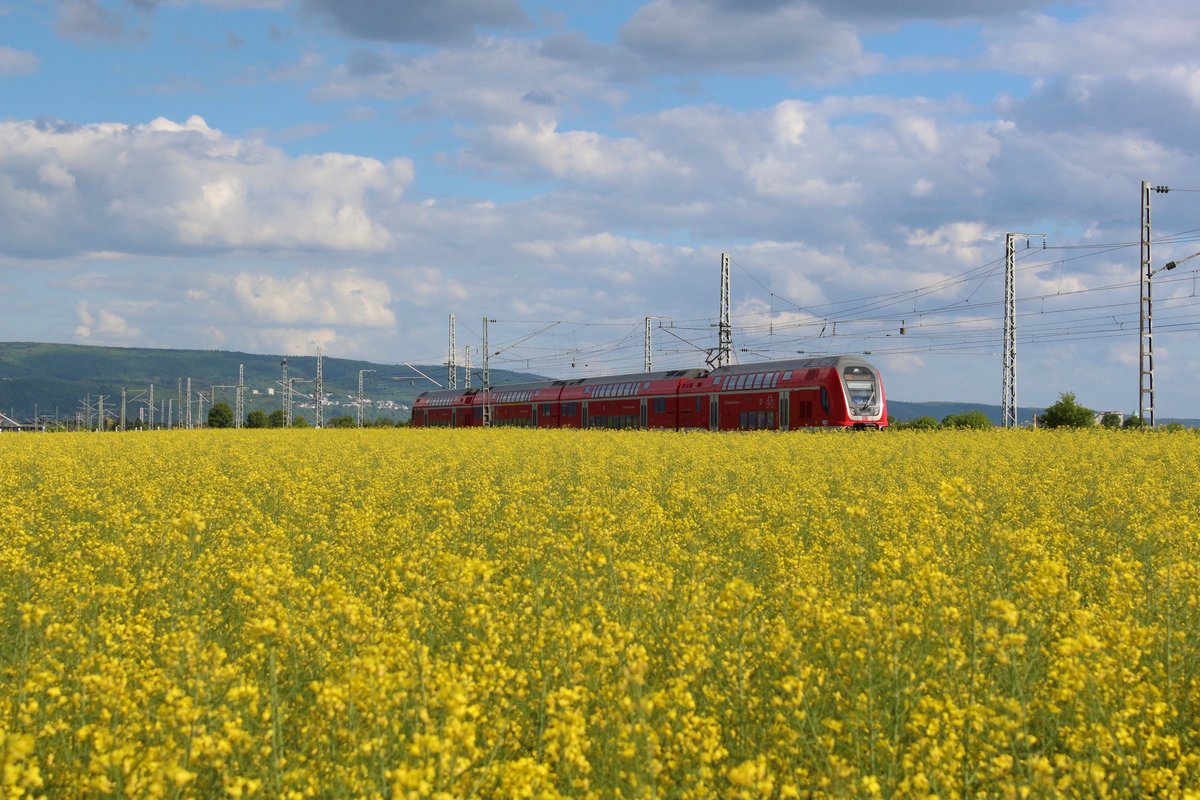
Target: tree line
{"type": "Point", "coordinates": [1067, 412]}
{"type": "Point", "coordinates": [220, 415]}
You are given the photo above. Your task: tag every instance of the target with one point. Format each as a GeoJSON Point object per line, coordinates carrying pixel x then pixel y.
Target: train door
{"type": "Point", "coordinates": [535, 415]}
{"type": "Point", "coordinates": [642, 419]}
{"type": "Point", "coordinates": [585, 415]}
{"type": "Point", "coordinates": [784, 421]}
{"type": "Point", "coordinates": [712, 413]}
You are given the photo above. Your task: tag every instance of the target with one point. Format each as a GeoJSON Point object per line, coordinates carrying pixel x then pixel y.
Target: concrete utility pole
{"type": "Point", "coordinates": [1008, 381]}
{"type": "Point", "coordinates": [362, 372]}
{"type": "Point", "coordinates": [452, 367]}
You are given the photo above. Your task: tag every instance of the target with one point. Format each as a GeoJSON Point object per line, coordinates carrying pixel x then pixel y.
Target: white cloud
{"type": "Point", "coordinates": [103, 326]}
{"type": "Point", "coordinates": [17, 62]}
{"type": "Point", "coordinates": [584, 156]}
{"type": "Point", "coordinates": [1114, 39]}
{"type": "Point", "coordinates": [177, 187]}
{"type": "Point", "coordinates": [961, 240]}
{"type": "Point", "coordinates": [339, 298]}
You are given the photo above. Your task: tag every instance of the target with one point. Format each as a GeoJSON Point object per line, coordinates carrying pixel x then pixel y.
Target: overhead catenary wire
{"type": "Point", "coordinates": [864, 321]}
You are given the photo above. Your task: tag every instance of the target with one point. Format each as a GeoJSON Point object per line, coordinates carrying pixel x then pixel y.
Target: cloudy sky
{"type": "Point", "coordinates": [270, 175]}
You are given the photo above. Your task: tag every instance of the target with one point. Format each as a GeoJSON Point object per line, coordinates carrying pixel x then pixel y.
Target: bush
{"type": "Point", "coordinates": [1067, 413]}
{"type": "Point", "coordinates": [220, 416]}
{"type": "Point", "coordinates": [919, 424]}
{"type": "Point", "coordinates": [976, 420]}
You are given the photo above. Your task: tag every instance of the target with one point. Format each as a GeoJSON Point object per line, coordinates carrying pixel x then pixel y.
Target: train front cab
{"type": "Point", "coordinates": [822, 392]}
{"type": "Point", "coordinates": [863, 395]}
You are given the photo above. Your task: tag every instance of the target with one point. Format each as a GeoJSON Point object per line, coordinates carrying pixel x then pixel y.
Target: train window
{"type": "Point", "coordinates": [717, 381]}
{"type": "Point", "coordinates": [660, 405]}
{"type": "Point", "coordinates": [787, 375]}
{"type": "Point", "coordinates": [758, 380]}
{"type": "Point", "coordinates": [571, 409]}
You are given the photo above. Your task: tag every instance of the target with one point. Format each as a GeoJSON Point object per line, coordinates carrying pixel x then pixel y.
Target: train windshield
{"type": "Point", "coordinates": [861, 387]}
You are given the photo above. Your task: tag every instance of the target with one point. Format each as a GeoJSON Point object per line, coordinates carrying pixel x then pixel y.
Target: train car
{"type": "Point", "coordinates": [518, 405]}
{"type": "Point", "coordinates": [829, 391]}
{"type": "Point", "coordinates": [447, 408]}
{"type": "Point", "coordinates": [639, 400]}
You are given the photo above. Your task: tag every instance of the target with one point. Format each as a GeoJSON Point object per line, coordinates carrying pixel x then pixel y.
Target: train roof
{"type": "Point", "coordinates": [633, 377]}
{"type": "Point", "coordinates": [815, 362]}
{"type": "Point", "coordinates": [438, 393]}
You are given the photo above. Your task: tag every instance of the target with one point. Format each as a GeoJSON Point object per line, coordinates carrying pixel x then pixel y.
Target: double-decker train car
{"type": "Point", "coordinates": [829, 391]}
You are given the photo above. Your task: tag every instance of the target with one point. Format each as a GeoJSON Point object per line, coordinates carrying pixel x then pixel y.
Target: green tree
{"type": "Point", "coordinates": [1066, 413]}
{"type": "Point", "coordinates": [384, 422]}
{"type": "Point", "coordinates": [919, 424]}
{"type": "Point", "coordinates": [1111, 419]}
{"type": "Point", "coordinates": [256, 419]}
{"type": "Point", "coordinates": [344, 421]}
{"type": "Point", "coordinates": [1132, 421]}
{"type": "Point", "coordinates": [275, 418]}
{"type": "Point", "coordinates": [968, 419]}
{"type": "Point", "coordinates": [299, 422]}
{"type": "Point", "coordinates": [220, 416]}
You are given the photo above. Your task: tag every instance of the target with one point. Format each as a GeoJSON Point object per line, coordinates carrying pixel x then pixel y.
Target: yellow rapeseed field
{"type": "Point", "coordinates": [516, 613]}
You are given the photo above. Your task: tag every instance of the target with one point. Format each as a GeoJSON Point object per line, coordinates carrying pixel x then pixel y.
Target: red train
{"type": "Point", "coordinates": [825, 392]}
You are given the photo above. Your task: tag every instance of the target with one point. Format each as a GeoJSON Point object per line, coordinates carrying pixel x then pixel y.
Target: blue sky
{"type": "Point", "coordinates": [273, 175]}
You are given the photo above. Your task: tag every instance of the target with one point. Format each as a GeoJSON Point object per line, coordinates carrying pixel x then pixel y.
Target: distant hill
{"type": "Point", "coordinates": [54, 379]}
